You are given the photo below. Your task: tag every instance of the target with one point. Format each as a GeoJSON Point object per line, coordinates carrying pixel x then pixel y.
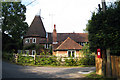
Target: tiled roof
{"type": "Point", "coordinates": [77, 37]}
{"type": "Point", "coordinates": [36, 28]}
{"type": "Point", "coordinates": [69, 44]}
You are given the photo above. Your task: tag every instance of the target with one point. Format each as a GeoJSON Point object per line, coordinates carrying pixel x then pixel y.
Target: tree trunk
{"type": "Point", "coordinates": [108, 64]}
{"type": "Point", "coordinates": [104, 62]}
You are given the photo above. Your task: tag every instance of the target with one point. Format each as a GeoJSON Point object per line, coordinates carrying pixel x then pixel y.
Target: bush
{"type": "Point", "coordinates": [70, 62]}
{"type": "Point", "coordinates": [88, 60]}
{"type": "Point", "coordinates": [8, 56]}
{"type": "Point", "coordinates": [44, 60]}
{"type": "Point", "coordinates": [25, 59]}
{"type": "Point", "coordinates": [47, 61]}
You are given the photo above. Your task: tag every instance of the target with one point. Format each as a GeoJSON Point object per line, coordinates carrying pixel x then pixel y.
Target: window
{"type": "Point", "coordinates": [34, 40]}
{"type": "Point", "coordinates": [46, 46]}
{"type": "Point", "coordinates": [26, 51]}
{"type": "Point", "coordinates": [33, 52]}
{"type": "Point", "coordinates": [27, 40]}
{"type": "Point", "coordinates": [71, 53]}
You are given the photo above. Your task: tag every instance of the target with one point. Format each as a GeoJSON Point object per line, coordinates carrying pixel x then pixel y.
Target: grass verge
{"type": "Point", "coordinates": [94, 76]}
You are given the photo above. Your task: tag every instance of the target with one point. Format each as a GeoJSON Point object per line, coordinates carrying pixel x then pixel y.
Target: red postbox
{"type": "Point", "coordinates": [98, 53]}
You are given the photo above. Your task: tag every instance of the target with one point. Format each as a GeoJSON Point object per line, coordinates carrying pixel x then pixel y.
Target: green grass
{"type": "Point", "coordinates": [93, 75]}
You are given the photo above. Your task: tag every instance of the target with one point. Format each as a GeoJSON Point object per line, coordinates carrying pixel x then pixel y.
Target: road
{"type": "Point", "coordinates": [17, 71]}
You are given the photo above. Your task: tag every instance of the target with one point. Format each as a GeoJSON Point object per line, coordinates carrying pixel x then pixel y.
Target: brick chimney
{"type": "Point", "coordinates": [54, 35]}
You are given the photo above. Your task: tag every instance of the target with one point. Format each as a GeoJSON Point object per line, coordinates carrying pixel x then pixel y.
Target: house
{"type": "Point", "coordinates": [62, 44]}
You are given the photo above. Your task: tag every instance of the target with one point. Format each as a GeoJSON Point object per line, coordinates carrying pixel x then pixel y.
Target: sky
{"type": "Point", "coordinates": [68, 15]}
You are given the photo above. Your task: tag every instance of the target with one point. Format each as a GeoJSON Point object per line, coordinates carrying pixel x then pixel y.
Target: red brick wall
{"type": "Point", "coordinates": [64, 53]}
{"type": "Point", "coordinates": [31, 38]}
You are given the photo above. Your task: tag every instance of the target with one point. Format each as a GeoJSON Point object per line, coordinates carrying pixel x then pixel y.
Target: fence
{"type": "Point", "coordinates": [34, 56]}
{"type": "Point", "coordinates": [115, 65]}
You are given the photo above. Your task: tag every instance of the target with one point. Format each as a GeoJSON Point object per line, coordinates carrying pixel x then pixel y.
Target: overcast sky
{"type": "Point", "coordinates": [68, 15]}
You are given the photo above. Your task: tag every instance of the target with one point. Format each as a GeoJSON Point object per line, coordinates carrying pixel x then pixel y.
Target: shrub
{"type": "Point", "coordinates": [70, 62]}
{"type": "Point", "coordinates": [8, 56]}
{"type": "Point", "coordinates": [89, 60]}
{"type": "Point", "coordinates": [47, 61]}
{"type": "Point", "coordinates": [25, 59]}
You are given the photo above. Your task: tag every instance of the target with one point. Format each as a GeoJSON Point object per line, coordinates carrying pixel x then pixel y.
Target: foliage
{"type": "Point", "coordinates": [47, 61]}
{"type": "Point", "coordinates": [37, 47]}
{"type": "Point", "coordinates": [85, 50]}
{"type": "Point", "coordinates": [70, 62]}
{"type": "Point", "coordinates": [104, 29]}
{"type": "Point", "coordinates": [14, 25]}
{"type": "Point", "coordinates": [88, 60]}
{"type": "Point", "coordinates": [8, 57]}
{"type": "Point", "coordinates": [25, 59]}
{"type": "Point", "coordinates": [31, 46]}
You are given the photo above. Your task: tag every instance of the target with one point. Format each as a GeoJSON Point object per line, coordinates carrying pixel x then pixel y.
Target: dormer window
{"type": "Point", "coordinates": [27, 40]}
{"type": "Point", "coordinates": [34, 40]}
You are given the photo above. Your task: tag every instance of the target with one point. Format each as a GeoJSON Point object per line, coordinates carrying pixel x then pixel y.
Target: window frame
{"type": "Point", "coordinates": [27, 40]}
{"type": "Point", "coordinates": [33, 40]}
{"type": "Point", "coordinates": [33, 51]}
{"type": "Point", "coordinates": [71, 54]}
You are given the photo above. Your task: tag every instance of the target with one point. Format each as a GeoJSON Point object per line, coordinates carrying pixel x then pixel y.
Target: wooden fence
{"type": "Point", "coordinates": [115, 65]}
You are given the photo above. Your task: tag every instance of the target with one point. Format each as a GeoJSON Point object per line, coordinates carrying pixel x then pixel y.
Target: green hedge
{"type": "Point", "coordinates": [89, 60]}
{"type": "Point", "coordinates": [24, 60]}
{"type": "Point", "coordinates": [47, 61]}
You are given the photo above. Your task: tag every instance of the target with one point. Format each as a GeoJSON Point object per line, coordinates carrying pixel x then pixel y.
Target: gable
{"type": "Point", "coordinates": [69, 44]}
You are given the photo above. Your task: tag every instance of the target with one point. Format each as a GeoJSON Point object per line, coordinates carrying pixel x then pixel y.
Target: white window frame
{"type": "Point", "coordinates": [33, 40]}
{"type": "Point", "coordinates": [71, 53]}
{"type": "Point", "coordinates": [47, 46]}
{"type": "Point", "coordinates": [44, 45]}
{"type": "Point", "coordinates": [27, 40]}
{"type": "Point", "coordinates": [33, 51]}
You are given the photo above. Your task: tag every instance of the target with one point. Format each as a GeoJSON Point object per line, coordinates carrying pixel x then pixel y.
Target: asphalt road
{"type": "Point", "coordinates": [16, 71]}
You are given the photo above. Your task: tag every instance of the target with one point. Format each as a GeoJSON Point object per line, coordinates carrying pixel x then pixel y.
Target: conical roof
{"type": "Point", "coordinates": [69, 44]}
{"type": "Point", "coordinates": [36, 28]}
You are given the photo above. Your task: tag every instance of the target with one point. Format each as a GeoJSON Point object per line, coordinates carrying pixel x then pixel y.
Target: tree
{"type": "Point", "coordinates": [104, 33]}
{"type": "Point", "coordinates": [104, 30]}
{"type": "Point", "coordinates": [86, 51]}
{"type": "Point", "coordinates": [14, 25]}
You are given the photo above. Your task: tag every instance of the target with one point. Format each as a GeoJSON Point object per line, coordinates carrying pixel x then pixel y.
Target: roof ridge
{"type": "Point", "coordinates": [63, 42]}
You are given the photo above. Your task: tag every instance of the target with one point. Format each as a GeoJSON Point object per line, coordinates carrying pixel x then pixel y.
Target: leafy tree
{"type": "Point", "coordinates": [14, 25]}
{"type": "Point", "coordinates": [104, 29]}
{"type": "Point", "coordinates": [86, 51]}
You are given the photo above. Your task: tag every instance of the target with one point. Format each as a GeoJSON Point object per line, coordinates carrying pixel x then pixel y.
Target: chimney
{"type": "Point", "coordinates": [54, 35]}
{"type": "Point", "coordinates": [103, 5]}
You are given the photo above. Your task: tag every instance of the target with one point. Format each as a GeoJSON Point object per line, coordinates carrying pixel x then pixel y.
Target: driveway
{"type": "Point", "coordinates": [16, 71]}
